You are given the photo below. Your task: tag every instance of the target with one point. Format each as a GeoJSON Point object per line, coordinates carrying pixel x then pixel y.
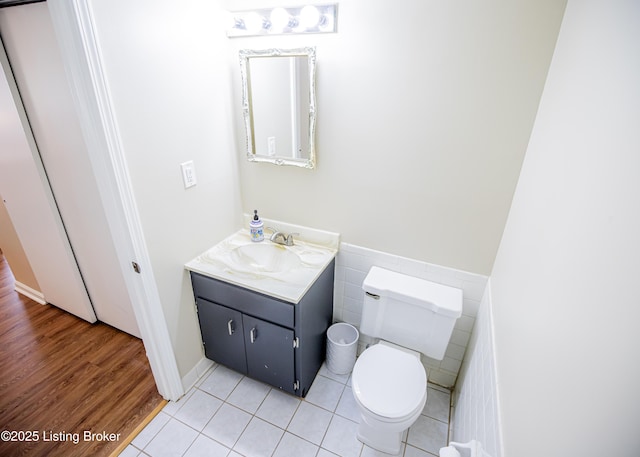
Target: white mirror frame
{"type": "Point", "coordinates": [245, 55]}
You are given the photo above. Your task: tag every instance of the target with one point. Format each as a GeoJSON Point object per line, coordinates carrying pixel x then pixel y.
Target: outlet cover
{"type": "Point", "coordinates": [188, 174]}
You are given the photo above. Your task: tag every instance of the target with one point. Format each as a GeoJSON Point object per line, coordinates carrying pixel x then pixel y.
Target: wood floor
{"type": "Point", "coordinates": [61, 377]}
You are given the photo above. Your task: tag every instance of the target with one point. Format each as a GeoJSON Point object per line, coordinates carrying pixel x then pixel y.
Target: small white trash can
{"type": "Point", "coordinates": [342, 345]}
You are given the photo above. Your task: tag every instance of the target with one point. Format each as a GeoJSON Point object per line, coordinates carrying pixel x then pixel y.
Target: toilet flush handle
{"type": "Point", "coordinates": [374, 296]}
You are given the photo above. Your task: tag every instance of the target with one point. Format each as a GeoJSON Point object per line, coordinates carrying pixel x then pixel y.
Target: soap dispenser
{"type": "Point", "coordinates": [256, 227]}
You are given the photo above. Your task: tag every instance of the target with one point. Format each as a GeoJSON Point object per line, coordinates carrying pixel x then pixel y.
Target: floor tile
{"type": "Point", "coordinates": [411, 451]}
{"type": "Point", "coordinates": [221, 382]}
{"type": "Point", "coordinates": [131, 451]}
{"type": "Point", "coordinates": [172, 407]}
{"type": "Point", "coordinates": [428, 434]}
{"type": "Point", "coordinates": [293, 446]}
{"type": "Point", "coordinates": [174, 439]}
{"type": "Point", "coordinates": [227, 425]}
{"type": "Point", "coordinates": [325, 453]}
{"type": "Point", "coordinates": [278, 408]}
{"type": "Point", "coordinates": [259, 439]}
{"type": "Point", "coordinates": [437, 406]}
{"type": "Point", "coordinates": [325, 393]}
{"type": "Point", "coordinates": [341, 378]}
{"type": "Point", "coordinates": [341, 437]}
{"type": "Point", "coordinates": [240, 417]}
{"type": "Point", "coordinates": [150, 431]}
{"type": "Point", "coordinates": [198, 409]}
{"type": "Point", "coordinates": [310, 422]}
{"type": "Point", "coordinates": [248, 394]}
{"type": "Point", "coordinates": [370, 452]}
{"type": "Point", "coordinates": [347, 406]}
{"type": "Point", "coordinates": [204, 446]}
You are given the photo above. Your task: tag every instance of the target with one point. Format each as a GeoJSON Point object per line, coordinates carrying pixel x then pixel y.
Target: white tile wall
{"type": "Point", "coordinates": [475, 413]}
{"type": "Point", "coordinates": [353, 264]}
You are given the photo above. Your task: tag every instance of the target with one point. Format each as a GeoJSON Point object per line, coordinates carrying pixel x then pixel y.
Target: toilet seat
{"type": "Point", "coordinates": [391, 383]}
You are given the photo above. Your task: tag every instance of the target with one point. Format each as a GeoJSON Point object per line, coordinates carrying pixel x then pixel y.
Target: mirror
{"type": "Point", "coordinates": [279, 105]}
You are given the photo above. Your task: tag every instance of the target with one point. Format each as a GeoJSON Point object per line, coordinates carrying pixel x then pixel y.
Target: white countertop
{"type": "Point", "coordinates": [290, 285]}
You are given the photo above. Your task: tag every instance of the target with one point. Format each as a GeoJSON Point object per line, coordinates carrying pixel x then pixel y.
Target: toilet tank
{"type": "Point", "coordinates": [408, 311]}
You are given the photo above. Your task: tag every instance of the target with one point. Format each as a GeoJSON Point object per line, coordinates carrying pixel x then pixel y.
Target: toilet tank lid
{"type": "Point", "coordinates": [441, 299]}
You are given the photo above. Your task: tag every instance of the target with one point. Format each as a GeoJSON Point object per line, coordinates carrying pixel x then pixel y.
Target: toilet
{"type": "Point", "coordinates": [410, 317]}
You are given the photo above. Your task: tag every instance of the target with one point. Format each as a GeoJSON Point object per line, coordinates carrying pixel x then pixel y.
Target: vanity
{"type": "Point", "coordinates": [264, 308]}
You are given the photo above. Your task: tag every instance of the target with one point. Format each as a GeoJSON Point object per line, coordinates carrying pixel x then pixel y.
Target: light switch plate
{"type": "Point", "coordinates": [271, 146]}
{"type": "Point", "coordinates": [188, 174]}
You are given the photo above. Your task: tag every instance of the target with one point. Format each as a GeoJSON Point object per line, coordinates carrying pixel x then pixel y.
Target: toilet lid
{"type": "Point", "coordinates": [389, 382]}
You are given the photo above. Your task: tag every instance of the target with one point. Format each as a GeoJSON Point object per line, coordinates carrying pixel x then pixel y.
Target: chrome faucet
{"type": "Point", "coordinates": [281, 238]}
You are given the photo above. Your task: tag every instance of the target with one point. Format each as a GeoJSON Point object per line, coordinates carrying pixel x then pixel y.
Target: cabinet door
{"type": "Point", "coordinates": [269, 350]}
{"type": "Point", "coordinates": [222, 335]}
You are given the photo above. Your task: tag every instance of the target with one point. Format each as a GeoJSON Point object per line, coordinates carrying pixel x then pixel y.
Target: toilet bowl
{"type": "Point", "coordinates": [389, 385]}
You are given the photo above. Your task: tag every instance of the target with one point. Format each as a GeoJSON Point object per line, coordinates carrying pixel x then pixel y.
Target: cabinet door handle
{"type": "Point", "coordinates": [230, 327]}
{"type": "Point", "coordinates": [253, 335]}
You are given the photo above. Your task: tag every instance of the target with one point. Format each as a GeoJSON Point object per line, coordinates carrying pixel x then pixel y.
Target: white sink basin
{"type": "Point", "coordinates": [264, 257]}
{"type": "Point", "coordinates": [282, 272]}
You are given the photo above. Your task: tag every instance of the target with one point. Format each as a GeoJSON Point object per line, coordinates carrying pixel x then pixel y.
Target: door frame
{"type": "Point", "coordinates": [75, 30]}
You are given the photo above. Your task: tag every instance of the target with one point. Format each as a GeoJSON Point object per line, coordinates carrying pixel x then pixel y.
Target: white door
{"type": "Point", "coordinates": [32, 209]}
{"type": "Point", "coordinates": [37, 66]}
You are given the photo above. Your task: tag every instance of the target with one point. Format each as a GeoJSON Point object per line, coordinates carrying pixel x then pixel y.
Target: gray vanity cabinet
{"type": "Point", "coordinates": [274, 341]}
{"type": "Point", "coordinates": [269, 350]}
{"type": "Point", "coordinates": [224, 342]}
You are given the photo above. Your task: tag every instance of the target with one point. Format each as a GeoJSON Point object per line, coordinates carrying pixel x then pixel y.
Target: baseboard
{"type": "Point", "coordinates": [190, 379]}
{"type": "Point", "coordinates": [27, 291]}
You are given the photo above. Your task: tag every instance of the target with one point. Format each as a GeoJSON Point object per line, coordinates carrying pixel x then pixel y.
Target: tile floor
{"type": "Point", "coordinates": [228, 414]}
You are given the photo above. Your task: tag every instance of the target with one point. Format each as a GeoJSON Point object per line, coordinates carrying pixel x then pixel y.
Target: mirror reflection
{"type": "Point", "coordinates": [278, 97]}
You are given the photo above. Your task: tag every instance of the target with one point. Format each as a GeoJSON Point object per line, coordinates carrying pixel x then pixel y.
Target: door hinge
{"type": "Point", "coordinates": [296, 385]}
{"type": "Point", "coordinates": [136, 267]}
{"type": "Point", "coordinates": [296, 343]}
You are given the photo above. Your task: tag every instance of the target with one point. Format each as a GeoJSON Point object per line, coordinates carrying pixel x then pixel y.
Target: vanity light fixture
{"type": "Point", "coordinates": [284, 20]}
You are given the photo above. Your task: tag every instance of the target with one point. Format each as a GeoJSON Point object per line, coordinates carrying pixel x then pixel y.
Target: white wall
{"type": "Point", "coordinates": [424, 113]}
{"type": "Point", "coordinates": [165, 64]}
{"type": "Point", "coordinates": [14, 252]}
{"type": "Point", "coordinates": [564, 284]}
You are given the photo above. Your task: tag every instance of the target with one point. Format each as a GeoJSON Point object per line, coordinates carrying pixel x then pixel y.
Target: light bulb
{"type": "Point", "coordinates": [279, 19]}
{"type": "Point", "coordinates": [309, 17]}
{"type": "Point", "coordinates": [253, 22]}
